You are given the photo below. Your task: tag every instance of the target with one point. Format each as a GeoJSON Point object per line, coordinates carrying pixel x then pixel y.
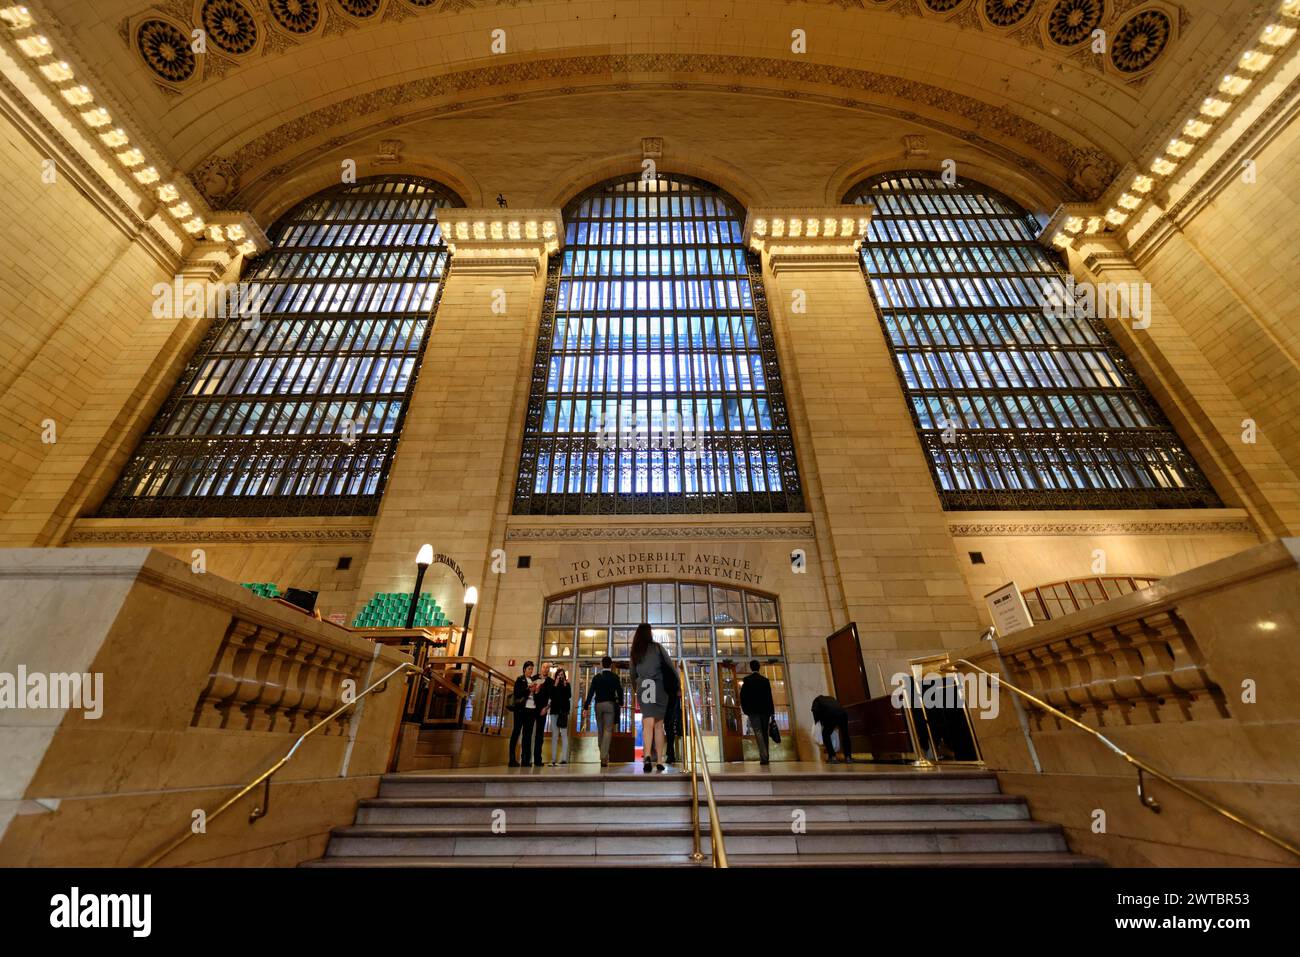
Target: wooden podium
{"type": "Point", "coordinates": [876, 721]}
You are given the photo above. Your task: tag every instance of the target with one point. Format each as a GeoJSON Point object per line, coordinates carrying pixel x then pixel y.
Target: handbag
{"type": "Point", "coordinates": [773, 731]}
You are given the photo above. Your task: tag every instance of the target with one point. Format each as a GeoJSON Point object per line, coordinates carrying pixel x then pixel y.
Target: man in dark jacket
{"type": "Point", "coordinates": [827, 712]}
{"type": "Point", "coordinates": [607, 690]}
{"type": "Point", "coordinates": [518, 697]}
{"type": "Point", "coordinates": [541, 686]}
{"type": "Point", "coordinates": [756, 702]}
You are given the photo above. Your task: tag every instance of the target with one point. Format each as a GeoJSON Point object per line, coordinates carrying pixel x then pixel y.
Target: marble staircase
{"type": "Point", "coordinates": [800, 816]}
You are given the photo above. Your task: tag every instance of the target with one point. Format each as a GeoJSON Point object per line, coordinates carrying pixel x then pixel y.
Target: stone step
{"type": "Point", "coordinates": [538, 782]}
{"type": "Point", "coordinates": [732, 809]}
{"type": "Point", "coordinates": [970, 859]}
{"type": "Point", "coordinates": [371, 840]}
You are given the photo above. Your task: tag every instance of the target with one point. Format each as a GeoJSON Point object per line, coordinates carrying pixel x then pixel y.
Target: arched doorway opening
{"type": "Point", "coordinates": [714, 629]}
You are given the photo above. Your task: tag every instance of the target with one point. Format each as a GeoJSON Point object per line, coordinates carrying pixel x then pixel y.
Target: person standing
{"type": "Point", "coordinates": [542, 686]}
{"type": "Point", "coordinates": [756, 702]}
{"type": "Point", "coordinates": [561, 699]}
{"type": "Point", "coordinates": [654, 681]}
{"type": "Point", "coordinates": [519, 697]}
{"type": "Point", "coordinates": [607, 691]}
{"type": "Point", "coordinates": [827, 712]}
{"type": "Point", "coordinates": [673, 728]}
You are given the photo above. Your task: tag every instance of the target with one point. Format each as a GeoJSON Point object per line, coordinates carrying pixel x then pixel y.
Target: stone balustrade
{"type": "Point", "coordinates": [1198, 675]}
{"type": "Point", "coordinates": [270, 678]}
{"type": "Point", "coordinates": [204, 686]}
{"type": "Point", "coordinates": [1145, 668]}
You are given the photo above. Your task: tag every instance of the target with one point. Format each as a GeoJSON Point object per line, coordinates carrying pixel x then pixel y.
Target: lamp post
{"type": "Point", "coordinates": [422, 562]}
{"type": "Point", "coordinates": [471, 599]}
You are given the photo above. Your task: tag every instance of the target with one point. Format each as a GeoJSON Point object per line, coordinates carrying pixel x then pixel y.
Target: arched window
{"type": "Point", "coordinates": [1015, 408]}
{"type": "Point", "coordinates": [1058, 599]}
{"type": "Point", "coordinates": [296, 408]}
{"type": "Point", "coordinates": [655, 386]}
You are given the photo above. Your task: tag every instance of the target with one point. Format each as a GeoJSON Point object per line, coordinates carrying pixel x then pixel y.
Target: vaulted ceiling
{"type": "Point", "coordinates": [282, 80]}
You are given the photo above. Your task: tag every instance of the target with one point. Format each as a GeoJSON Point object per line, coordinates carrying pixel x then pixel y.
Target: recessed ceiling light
{"type": "Point", "coordinates": [1234, 85]}
{"type": "Point", "coordinates": [35, 47]}
{"type": "Point", "coordinates": [1213, 107]}
{"type": "Point", "coordinates": [78, 95]}
{"type": "Point", "coordinates": [18, 18]}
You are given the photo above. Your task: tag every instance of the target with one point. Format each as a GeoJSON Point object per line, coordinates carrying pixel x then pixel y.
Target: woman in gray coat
{"type": "Point", "coordinates": [649, 662]}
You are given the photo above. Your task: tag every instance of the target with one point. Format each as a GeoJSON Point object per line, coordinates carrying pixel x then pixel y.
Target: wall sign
{"type": "Point", "coordinates": [1008, 608]}
{"type": "Point", "coordinates": [450, 563]}
{"type": "Point", "coordinates": [653, 564]}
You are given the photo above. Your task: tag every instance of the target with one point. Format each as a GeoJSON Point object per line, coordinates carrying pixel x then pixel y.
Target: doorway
{"type": "Point", "coordinates": [713, 629]}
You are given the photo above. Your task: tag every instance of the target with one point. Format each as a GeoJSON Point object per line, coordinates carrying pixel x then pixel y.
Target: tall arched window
{"type": "Point", "coordinates": [1016, 408]}
{"type": "Point", "coordinates": [297, 410]}
{"type": "Point", "coordinates": [655, 386]}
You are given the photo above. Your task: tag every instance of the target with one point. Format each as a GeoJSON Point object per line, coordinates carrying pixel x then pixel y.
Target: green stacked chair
{"type": "Point", "coordinates": [388, 610]}
{"type": "Point", "coordinates": [264, 589]}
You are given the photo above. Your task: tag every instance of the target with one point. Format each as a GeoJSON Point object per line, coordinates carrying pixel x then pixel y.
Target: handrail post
{"type": "Point", "coordinates": [688, 705]}
{"type": "Point", "coordinates": [701, 760]}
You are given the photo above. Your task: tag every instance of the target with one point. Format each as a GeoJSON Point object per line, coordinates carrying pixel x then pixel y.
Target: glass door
{"type": "Point", "coordinates": [733, 722]}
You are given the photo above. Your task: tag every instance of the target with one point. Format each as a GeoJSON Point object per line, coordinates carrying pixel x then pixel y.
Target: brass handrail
{"type": "Point", "coordinates": [261, 809]}
{"type": "Point", "coordinates": [1147, 800]}
{"type": "Point", "coordinates": [697, 755]}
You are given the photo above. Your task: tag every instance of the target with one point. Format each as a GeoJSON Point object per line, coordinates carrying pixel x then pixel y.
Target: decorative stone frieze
{"type": "Point", "coordinates": [501, 239]}
{"type": "Point", "coordinates": [809, 237]}
{"type": "Point", "coordinates": [615, 532]}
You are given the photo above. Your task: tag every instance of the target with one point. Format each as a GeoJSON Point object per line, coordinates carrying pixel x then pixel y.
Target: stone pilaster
{"type": "Point", "coordinates": [880, 525]}
{"type": "Point", "coordinates": [78, 469]}
{"type": "Point", "coordinates": [453, 462]}
{"type": "Point", "coordinates": [1207, 413]}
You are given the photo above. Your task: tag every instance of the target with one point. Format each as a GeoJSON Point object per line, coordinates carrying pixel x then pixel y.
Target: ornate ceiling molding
{"type": "Point", "coordinates": [71, 161]}
{"type": "Point", "coordinates": [1081, 172]}
{"type": "Point", "coordinates": [570, 533]}
{"type": "Point", "coordinates": [218, 536]}
{"type": "Point", "coordinates": [1136, 527]}
{"type": "Point", "coordinates": [1274, 120]}
{"type": "Point", "coordinates": [243, 29]}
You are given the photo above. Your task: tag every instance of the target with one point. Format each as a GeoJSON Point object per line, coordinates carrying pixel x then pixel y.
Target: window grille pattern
{"type": "Point", "coordinates": [656, 386]}
{"type": "Point", "coordinates": [1015, 408]}
{"type": "Point", "coordinates": [294, 401]}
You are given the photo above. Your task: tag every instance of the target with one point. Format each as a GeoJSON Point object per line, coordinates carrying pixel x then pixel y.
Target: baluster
{"type": "Point", "coordinates": [212, 710]}
{"type": "Point", "coordinates": [1201, 697]}
{"type": "Point", "coordinates": [293, 654]}
{"type": "Point", "coordinates": [248, 664]}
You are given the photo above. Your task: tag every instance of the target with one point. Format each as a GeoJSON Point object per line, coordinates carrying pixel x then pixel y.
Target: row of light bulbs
{"type": "Point", "coordinates": [40, 50]}
{"type": "Point", "coordinates": [1254, 61]}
